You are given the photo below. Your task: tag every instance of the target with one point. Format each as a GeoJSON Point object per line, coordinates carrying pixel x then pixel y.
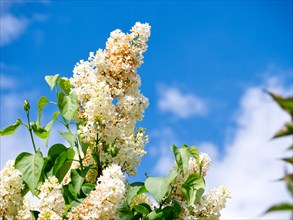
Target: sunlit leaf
{"type": "Point", "coordinates": [11, 128]}
{"type": "Point", "coordinates": [284, 103]}
{"type": "Point", "coordinates": [30, 165]}
{"type": "Point", "coordinates": [286, 130]}
{"type": "Point", "coordinates": [65, 85]}
{"type": "Point", "coordinates": [68, 105]}
{"type": "Point", "coordinates": [43, 101]}
{"type": "Point", "coordinates": [182, 157]}
{"type": "Point", "coordinates": [51, 80]}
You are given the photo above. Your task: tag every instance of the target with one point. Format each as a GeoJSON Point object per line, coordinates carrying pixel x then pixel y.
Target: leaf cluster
{"type": "Point", "coordinates": [286, 104]}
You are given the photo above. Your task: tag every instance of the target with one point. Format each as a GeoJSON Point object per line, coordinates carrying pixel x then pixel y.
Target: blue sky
{"type": "Point", "coordinates": [204, 72]}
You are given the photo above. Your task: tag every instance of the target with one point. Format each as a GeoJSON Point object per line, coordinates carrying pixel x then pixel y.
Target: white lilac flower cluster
{"type": "Point", "coordinates": [107, 86]}
{"type": "Point", "coordinates": [209, 205]}
{"type": "Point", "coordinates": [11, 185]}
{"type": "Point", "coordinates": [102, 202]}
{"type": "Point", "coordinates": [51, 200]}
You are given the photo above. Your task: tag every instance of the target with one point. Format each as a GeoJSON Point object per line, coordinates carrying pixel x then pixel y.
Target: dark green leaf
{"type": "Point", "coordinates": [65, 85]}
{"type": "Point", "coordinates": [35, 213]}
{"type": "Point", "coordinates": [51, 80]}
{"type": "Point", "coordinates": [284, 103]}
{"type": "Point", "coordinates": [10, 129]}
{"type": "Point", "coordinates": [69, 137]}
{"type": "Point", "coordinates": [30, 165]}
{"type": "Point", "coordinates": [56, 150]}
{"type": "Point", "coordinates": [68, 105]}
{"type": "Point", "coordinates": [63, 163]}
{"type": "Point", "coordinates": [286, 130]}
{"type": "Point", "coordinates": [41, 104]}
{"type": "Point", "coordinates": [280, 207]}
{"type": "Point", "coordinates": [288, 160]}
{"type": "Point", "coordinates": [177, 208]}
{"type": "Point", "coordinates": [77, 179]}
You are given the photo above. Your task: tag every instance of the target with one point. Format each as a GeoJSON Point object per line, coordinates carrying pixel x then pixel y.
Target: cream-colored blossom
{"type": "Point", "coordinates": [51, 196]}
{"type": "Point", "coordinates": [102, 202]}
{"type": "Point", "coordinates": [48, 214]}
{"type": "Point", "coordinates": [107, 87]}
{"type": "Point", "coordinates": [141, 198]}
{"type": "Point", "coordinates": [11, 185]}
{"type": "Point", "coordinates": [24, 213]}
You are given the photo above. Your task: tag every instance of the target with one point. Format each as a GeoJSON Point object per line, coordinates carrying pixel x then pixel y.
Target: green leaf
{"type": "Point", "coordinates": [191, 186]}
{"type": "Point", "coordinates": [77, 178]}
{"type": "Point", "coordinates": [124, 211]}
{"type": "Point", "coordinates": [11, 129]}
{"type": "Point", "coordinates": [134, 189]}
{"type": "Point", "coordinates": [177, 208]}
{"type": "Point", "coordinates": [41, 104]}
{"type": "Point", "coordinates": [65, 85]}
{"type": "Point", "coordinates": [51, 80]}
{"type": "Point", "coordinates": [68, 105]}
{"type": "Point", "coordinates": [30, 165]}
{"type": "Point", "coordinates": [288, 160]}
{"type": "Point", "coordinates": [140, 208]}
{"type": "Point", "coordinates": [87, 188]}
{"type": "Point", "coordinates": [35, 213]}
{"type": "Point", "coordinates": [194, 152]}
{"type": "Point", "coordinates": [156, 214]}
{"type": "Point", "coordinates": [69, 137]}
{"type": "Point", "coordinates": [284, 103]}
{"type": "Point", "coordinates": [158, 186]}
{"type": "Point", "coordinates": [280, 207]}
{"type": "Point", "coordinates": [182, 157]}
{"type": "Point", "coordinates": [55, 150]}
{"type": "Point", "coordinates": [39, 131]}
{"type": "Point", "coordinates": [63, 163]}
{"type": "Point", "coordinates": [49, 125]}
{"type": "Point", "coordinates": [286, 130]}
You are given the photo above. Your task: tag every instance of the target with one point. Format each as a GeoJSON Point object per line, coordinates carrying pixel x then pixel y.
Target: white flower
{"type": "Point", "coordinates": [51, 196]}
{"type": "Point", "coordinates": [211, 204]}
{"type": "Point", "coordinates": [102, 202]}
{"type": "Point", "coordinates": [107, 87]}
{"type": "Point", "coordinates": [48, 214]}
{"type": "Point", "coordinates": [11, 185]}
{"type": "Point", "coordinates": [25, 212]}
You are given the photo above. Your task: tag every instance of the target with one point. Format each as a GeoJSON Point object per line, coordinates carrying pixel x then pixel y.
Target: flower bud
{"type": "Point", "coordinates": [26, 105]}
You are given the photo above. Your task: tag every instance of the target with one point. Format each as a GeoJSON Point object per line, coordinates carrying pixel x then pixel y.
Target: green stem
{"type": "Point", "coordinates": [30, 130]}
{"type": "Point", "coordinates": [78, 151]}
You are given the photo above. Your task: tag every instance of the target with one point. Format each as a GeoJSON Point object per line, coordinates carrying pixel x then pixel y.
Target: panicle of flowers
{"type": "Point", "coordinates": [24, 213]}
{"type": "Point", "coordinates": [211, 204]}
{"type": "Point", "coordinates": [51, 199]}
{"type": "Point", "coordinates": [107, 86]}
{"type": "Point", "coordinates": [11, 185]}
{"type": "Point", "coordinates": [102, 202]}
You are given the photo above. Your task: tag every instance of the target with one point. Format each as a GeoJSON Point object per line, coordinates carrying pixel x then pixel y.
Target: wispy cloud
{"type": "Point", "coordinates": [250, 162]}
{"type": "Point", "coordinates": [183, 105]}
{"type": "Point", "coordinates": [13, 26]}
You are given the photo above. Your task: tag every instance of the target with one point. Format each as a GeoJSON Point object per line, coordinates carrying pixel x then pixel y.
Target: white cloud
{"type": "Point", "coordinates": [250, 162]}
{"type": "Point", "coordinates": [180, 104]}
{"type": "Point", "coordinates": [11, 28]}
